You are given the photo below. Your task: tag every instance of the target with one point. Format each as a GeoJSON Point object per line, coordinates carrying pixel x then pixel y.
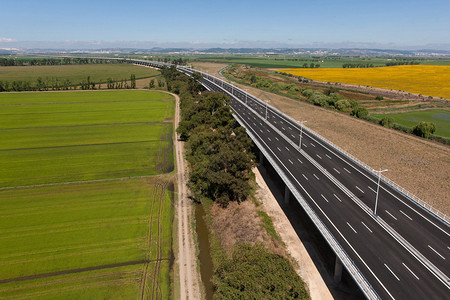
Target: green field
{"type": "Point", "coordinates": [440, 117]}
{"type": "Point", "coordinates": [75, 73]}
{"type": "Point", "coordinates": [292, 61]}
{"type": "Point", "coordinates": [109, 237]}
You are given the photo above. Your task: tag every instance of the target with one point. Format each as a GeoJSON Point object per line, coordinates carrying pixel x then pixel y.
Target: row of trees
{"type": "Point", "coordinates": [358, 65]}
{"type": "Point", "coordinates": [219, 151]}
{"type": "Point", "coordinates": [55, 84]}
{"type": "Point", "coordinates": [402, 63]}
{"type": "Point", "coordinates": [331, 98]}
{"type": "Point", "coordinates": [14, 61]}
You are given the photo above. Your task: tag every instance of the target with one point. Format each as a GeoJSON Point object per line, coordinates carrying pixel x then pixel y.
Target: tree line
{"type": "Point", "coordinates": [55, 84]}
{"type": "Point", "coordinates": [402, 63]}
{"type": "Point", "coordinates": [357, 65]}
{"type": "Point", "coordinates": [218, 150]}
{"type": "Point", "coordinates": [14, 61]}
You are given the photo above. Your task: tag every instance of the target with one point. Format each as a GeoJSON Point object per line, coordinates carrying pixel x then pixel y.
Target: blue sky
{"type": "Point", "coordinates": [199, 23]}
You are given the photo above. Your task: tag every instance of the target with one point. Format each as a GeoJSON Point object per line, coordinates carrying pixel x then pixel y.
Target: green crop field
{"type": "Point", "coordinates": [75, 73]}
{"type": "Point", "coordinates": [107, 237]}
{"type": "Point", "coordinates": [295, 61]}
{"type": "Point", "coordinates": [440, 117]}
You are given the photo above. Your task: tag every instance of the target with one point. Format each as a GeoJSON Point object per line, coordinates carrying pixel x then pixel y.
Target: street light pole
{"type": "Point", "coordinates": [301, 133]}
{"type": "Point", "coordinates": [378, 188]}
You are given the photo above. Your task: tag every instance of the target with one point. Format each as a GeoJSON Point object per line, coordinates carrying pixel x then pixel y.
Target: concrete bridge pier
{"type": "Point", "coordinates": [287, 195]}
{"type": "Point", "coordinates": [337, 270]}
{"type": "Point", "coordinates": [261, 158]}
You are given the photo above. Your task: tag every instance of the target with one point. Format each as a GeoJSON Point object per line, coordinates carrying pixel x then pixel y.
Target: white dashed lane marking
{"type": "Point", "coordinates": [359, 189]}
{"type": "Point", "coordinates": [337, 197]}
{"type": "Point", "coordinates": [391, 272]}
{"type": "Point", "coordinates": [351, 227]}
{"type": "Point", "coordinates": [390, 215]}
{"type": "Point", "coordinates": [366, 227]}
{"type": "Point", "coordinates": [406, 215]}
{"type": "Point", "coordinates": [436, 252]}
{"type": "Point", "coordinates": [410, 271]}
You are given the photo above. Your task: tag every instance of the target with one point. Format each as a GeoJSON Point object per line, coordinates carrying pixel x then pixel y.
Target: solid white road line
{"type": "Point", "coordinates": [305, 176]}
{"type": "Point", "coordinates": [351, 227]}
{"type": "Point", "coordinates": [337, 171]}
{"type": "Point", "coordinates": [406, 215]}
{"type": "Point", "coordinates": [337, 197]}
{"type": "Point", "coordinates": [436, 252]}
{"type": "Point", "coordinates": [316, 176]}
{"type": "Point", "coordinates": [390, 215]}
{"type": "Point", "coordinates": [359, 189]}
{"type": "Point", "coordinates": [410, 271]}
{"type": "Point", "coordinates": [324, 197]}
{"type": "Point", "coordinates": [328, 156]}
{"type": "Point", "coordinates": [366, 227]}
{"type": "Point", "coordinates": [347, 171]}
{"type": "Point", "coordinates": [391, 272]}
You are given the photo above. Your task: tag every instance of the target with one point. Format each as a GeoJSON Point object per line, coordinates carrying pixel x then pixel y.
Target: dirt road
{"type": "Point", "coordinates": [189, 278]}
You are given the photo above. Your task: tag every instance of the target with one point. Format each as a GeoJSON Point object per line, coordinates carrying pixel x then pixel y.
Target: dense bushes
{"type": "Point", "coordinates": [255, 273]}
{"type": "Point", "coordinates": [218, 149]}
{"type": "Point", "coordinates": [424, 129]}
{"type": "Point", "coordinates": [387, 122]}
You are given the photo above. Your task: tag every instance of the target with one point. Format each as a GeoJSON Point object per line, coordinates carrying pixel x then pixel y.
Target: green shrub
{"type": "Point", "coordinates": [255, 273]}
{"type": "Point", "coordinates": [343, 105]}
{"type": "Point", "coordinates": [379, 97]}
{"type": "Point", "coordinates": [387, 122]}
{"type": "Point", "coordinates": [360, 112]}
{"type": "Point", "coordinates": [424, 129]}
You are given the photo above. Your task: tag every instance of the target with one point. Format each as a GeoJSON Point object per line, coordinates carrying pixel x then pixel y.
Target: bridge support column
{"type": "Point", "coordinates": [337, 270]}
{"type": "Point", "coordinates": [261, 158]}
{"type": "Point", "coordinates": [287, 195]}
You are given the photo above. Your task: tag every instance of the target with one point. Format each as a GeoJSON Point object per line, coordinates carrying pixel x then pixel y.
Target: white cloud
{"type": "Point", "coordinates": [7, 40]}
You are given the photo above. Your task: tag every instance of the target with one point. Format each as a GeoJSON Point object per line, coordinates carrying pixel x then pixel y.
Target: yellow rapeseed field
{"type": "Point", "coordinates": [425, 80]}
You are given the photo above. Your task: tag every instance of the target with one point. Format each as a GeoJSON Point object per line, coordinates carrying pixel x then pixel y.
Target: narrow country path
{"type": "Point", "coordinates": [187, 262]}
